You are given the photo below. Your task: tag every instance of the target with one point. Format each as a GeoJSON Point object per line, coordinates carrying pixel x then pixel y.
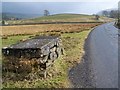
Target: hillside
{"type": "Point", "coordinates": [61, 18]}
{"type": "Point", "coordinates": [8, 16]}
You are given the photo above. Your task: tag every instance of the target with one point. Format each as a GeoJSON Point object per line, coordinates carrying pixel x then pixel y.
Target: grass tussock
{"type": "Point", "coordinates": [42, 28]}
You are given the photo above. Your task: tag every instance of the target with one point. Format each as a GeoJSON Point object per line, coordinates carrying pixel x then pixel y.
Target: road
{"type": "Point", "coordinates": [99, 67]}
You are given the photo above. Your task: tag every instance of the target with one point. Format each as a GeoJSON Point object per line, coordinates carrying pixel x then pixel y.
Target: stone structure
{"type": "Point", "coordinates": [42, 50]}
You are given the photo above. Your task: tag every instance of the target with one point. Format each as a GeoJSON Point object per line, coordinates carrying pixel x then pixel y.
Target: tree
{"type": "Point", "coordinates": [97, 17]}
{"type": "Point", "coordinates": [3, 22]}
{"type": "Point", "coordinates": [105, 13]}
{"type": "Point", "coordinates": [114, 13]}
{"type": "Point", "coordinates": [46, 13]}
{"type": "Point", "coordinates": [118, 23]}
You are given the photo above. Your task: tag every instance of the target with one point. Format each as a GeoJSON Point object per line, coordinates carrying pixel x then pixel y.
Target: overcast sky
{"type": "Point", "coordinates": [38, 6]}
{"type": "Point", "coordinates": [60, 1]}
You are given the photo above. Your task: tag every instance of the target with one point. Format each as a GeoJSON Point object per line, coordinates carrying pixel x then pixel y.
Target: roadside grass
{"type": "Point", "coordinates": [57, 77]}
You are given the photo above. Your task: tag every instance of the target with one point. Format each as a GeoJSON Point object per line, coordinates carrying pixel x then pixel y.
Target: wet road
{"type": "Point", "coordinates": [104, 55]}
{"type": "Point", "coordinates": [101, 60]}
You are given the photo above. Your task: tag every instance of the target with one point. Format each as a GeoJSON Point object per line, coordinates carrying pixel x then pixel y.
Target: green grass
{"type": "Point", "coordinates": [61, 18]}
{"type": "Point", "coordinates": [73, 44]}
{"type": "Point", "coordinates": [13, 39]}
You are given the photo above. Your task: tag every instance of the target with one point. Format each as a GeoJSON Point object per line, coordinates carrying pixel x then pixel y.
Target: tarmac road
{"type": "Point", "coordinates": [99, 67]}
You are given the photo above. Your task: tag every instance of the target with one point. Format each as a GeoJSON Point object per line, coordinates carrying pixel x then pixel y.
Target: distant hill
{"type": "Point", "coordinates": [9, 16]}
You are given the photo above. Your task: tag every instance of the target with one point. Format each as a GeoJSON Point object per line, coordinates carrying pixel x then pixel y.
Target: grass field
{"type": "Point", "coordinates": [36, 29]}
{"type": "Point", "coordinates": [13, 39]}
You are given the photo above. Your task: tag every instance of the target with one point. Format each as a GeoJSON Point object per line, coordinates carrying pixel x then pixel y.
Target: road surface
{"type": "Point", "coordinates": [99, 67]}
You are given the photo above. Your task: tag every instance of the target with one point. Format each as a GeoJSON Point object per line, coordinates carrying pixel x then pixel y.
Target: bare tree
{"type": "Point", "coordinates": [46, 13]}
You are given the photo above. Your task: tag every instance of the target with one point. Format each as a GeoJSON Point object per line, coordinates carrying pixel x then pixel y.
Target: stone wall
{"type": "Point", "coordinates": [26, 59]}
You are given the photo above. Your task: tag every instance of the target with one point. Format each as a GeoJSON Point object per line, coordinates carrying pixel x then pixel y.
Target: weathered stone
{"type": "Point", "coordinates": [40, 51]}
{"type": "Point", "coordinates": [52, 56]}
{"type": "Point", "coordinates": [53, 49]}
{"type": "Point", "coordinates": [58, 51]}
{"type": "Point", "coordinates": [45, 50]}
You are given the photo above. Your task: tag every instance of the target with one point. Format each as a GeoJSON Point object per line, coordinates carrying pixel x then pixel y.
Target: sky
{"type": "Point", "coordinates": [60, 1]}
{"type": "Point", "coordinates": [38, 6]}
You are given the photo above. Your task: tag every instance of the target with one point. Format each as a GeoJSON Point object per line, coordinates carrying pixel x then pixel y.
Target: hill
{"type": "Point", "coordinates": [16, 16]}
{"type": "Point", "coordinates": [61, 18]}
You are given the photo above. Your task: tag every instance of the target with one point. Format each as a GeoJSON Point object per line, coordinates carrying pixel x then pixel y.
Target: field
{"type": "Point", "coordinates": [73, 38]}
{"type": "Point", "coordinates": [36, 29]}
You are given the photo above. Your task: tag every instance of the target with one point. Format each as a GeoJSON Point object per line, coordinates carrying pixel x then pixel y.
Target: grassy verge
{"type": "Point", "coordinates": [13, 39]}
{"type": "Point", "coordinates": [58, 74]}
